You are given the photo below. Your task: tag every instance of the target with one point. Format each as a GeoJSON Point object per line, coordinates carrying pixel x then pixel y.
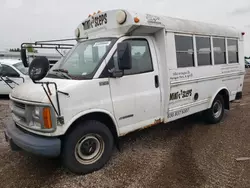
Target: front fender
{"type": "Point", "coordinates": [86, 112]}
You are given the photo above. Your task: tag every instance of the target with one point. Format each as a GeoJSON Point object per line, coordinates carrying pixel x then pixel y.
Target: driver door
{"type": "Point", "coordinates": [136, 95]}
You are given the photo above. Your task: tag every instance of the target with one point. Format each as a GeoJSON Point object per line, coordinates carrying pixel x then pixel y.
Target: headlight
{"type": "Point", "coordinates": [36, 111]}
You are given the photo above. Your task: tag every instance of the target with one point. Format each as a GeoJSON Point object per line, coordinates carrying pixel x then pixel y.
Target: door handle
{"type": "Point", "coordinates": [156, 81]}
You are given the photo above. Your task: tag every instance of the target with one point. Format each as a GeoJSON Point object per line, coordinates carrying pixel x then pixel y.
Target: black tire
{"type": "Point", "coordinates": [71, 156]}
{"type": "Point", "coordinates": [211, 116]}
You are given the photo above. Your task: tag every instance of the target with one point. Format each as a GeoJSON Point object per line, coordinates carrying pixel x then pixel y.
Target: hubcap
{"type": "Point", "coordinates": [89, 149]}
{"type": "Point", "coordinates": [217, 109]}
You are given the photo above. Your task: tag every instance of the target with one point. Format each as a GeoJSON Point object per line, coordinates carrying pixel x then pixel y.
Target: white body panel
{"type": "Point", "coordinates": [134, 101]}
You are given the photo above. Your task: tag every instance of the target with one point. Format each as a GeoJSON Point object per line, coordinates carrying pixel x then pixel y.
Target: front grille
{"type": "Point", "coordinates": [18, 110]}
{"type": "Point", "coordinates": [19, 105]}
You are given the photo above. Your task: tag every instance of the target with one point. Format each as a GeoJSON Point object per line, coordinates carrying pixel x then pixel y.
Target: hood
{"type": "Point", "coordinates": [30, 91]}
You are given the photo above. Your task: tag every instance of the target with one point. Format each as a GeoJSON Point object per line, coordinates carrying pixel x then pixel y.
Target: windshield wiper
{"type": "Point", "coordinates": [64, 72]}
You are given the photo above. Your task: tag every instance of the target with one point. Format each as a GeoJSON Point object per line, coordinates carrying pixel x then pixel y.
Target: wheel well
{"type": "Point", "coordinates": [98, 116]}
{"type": "Point", "coordinates": [225, 95]}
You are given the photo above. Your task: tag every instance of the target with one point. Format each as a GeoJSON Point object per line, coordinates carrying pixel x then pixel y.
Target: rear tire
{"type": "Point", "coordinates": [216, 112]}
{"type": "Point", "coordinates": [88, 147]}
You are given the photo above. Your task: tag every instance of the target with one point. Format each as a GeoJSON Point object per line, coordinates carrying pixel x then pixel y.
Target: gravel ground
{"type": "Point", "coordinates": [185, 153]}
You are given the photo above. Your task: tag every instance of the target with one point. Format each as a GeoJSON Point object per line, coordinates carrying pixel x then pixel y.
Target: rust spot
{"type": "Point", "coordinates": [156, 122]}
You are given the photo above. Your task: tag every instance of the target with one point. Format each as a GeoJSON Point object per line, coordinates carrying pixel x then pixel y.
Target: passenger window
{"type": "Point", "coordinates": [232, 48]}
{"type": "Point", "coordinates": [141, 59]}
{"type": "Point", "coordinates": [219, 51]}
{"type": "Point", "coordinates": [8, 71]}
{"type": "Point", "coordinates": [203, 51]}
{"type": "Point", "coordinates": [184, 51]}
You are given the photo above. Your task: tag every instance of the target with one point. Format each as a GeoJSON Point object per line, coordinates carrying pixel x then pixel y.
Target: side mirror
{"type": "Point", "coordinates": [24, 57]}
{"type": "Point", "coordinates": [38, 68]}
{"type": "Point", "coordinates": [124, 55]}
{"type": "Point", "coordinates": [1, 69]}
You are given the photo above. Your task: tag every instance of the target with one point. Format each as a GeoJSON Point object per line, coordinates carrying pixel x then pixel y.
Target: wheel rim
{"type": "Point", "coordinates": [89, 149]}
{"type": "Point", "coordinates": [217, 109]}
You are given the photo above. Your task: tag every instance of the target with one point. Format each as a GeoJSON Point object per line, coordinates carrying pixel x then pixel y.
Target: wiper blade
{"type": "Point", "coordinates": [61, 70]}
{"type": "Point", "coordinates": [64, 72]}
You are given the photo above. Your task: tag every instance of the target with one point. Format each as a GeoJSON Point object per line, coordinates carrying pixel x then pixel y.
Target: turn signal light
{"type": "Point", "coordinates": [47, 118]}
{"type": "Point", "coordinates": [136, 20]}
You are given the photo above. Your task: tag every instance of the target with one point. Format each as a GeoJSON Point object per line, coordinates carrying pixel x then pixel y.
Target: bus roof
{"type": "Point", "coordinates": [195, 27]}
{"type": "Point", "coordinates": [121, 22]}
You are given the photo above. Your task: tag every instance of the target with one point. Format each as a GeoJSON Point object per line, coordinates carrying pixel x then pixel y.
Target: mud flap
{"type": "Point", "coordinates": [13, 146]}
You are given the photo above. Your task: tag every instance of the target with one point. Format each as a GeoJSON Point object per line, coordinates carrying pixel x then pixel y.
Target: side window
{"type": "Point", "coordinates": [232, 47]}
{"type": "Point", "coordinates": [219, 51]}
{"type": "Point", "coordinates": [184, 51]}
{"type": "Point", "coordinates": [8, 71]}
{"type": "Point", "coordinates": [203, 51]}
{"type": "Point", "coordinates": [141, 59]}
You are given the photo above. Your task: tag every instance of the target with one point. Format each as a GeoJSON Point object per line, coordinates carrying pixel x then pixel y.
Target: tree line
{"type": "Point", "coordinates": [29, 48]}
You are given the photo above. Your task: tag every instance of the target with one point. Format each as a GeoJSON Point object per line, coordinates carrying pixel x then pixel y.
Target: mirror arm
{"type": "Point", "coordinates": [50, 100]}
{"type": "Point", "coordinates": [114, 73]}
{"type": "Point", "coordinates": [64, 93]}
{"type": "Point", "coordinates": [59, 52]}
{"type": "Point", "coordinates": [47, 85]}
{"type": "Point", "coordinates": [58, 112]}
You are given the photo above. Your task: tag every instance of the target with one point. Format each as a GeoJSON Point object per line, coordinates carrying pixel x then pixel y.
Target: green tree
{"type": "Point", "coordinates": [31, 49]}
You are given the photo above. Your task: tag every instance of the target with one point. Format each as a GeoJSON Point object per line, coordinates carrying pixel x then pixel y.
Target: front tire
{"type": "Point", "coordinates": [88, 147]}
{"type": "Point", "coordinates": [216, 112]}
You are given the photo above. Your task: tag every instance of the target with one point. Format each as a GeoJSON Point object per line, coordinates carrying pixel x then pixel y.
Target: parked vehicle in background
{"type": "Point", "coordinates": [128, 71]}
{"type": "Point", "coordinates": [12, 71]}
{"type": "Point", "coordinates": [247, 63]}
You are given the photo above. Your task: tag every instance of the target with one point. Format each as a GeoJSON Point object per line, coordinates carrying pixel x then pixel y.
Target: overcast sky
{"type": "Point", "coordinates": [31, 20]}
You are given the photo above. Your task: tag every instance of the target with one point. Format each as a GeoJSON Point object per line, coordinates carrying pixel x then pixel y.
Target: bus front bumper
{"type": "Point", "coordinates": [38, 145]}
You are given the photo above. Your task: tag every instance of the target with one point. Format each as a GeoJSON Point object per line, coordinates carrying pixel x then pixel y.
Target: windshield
{"type": "Point", "coordinates": [21, 68]}
{"type": "Point", "coordinates": [84, 60]}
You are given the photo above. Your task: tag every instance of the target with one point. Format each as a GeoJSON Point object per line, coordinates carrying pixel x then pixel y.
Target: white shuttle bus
{"type": "Point", "coordinates": [128, 71]}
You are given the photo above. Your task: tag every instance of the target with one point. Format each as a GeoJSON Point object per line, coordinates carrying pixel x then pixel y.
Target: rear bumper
{"type": "Point", "coordinates": [44, 146]}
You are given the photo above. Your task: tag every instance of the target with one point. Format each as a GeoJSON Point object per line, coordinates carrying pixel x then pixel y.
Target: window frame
{"type": "Point", "coordinates": [194, 49]}
{"type": "Point", "coordinates": [225, 52]}
{"type": "Point", "coordinates": [210, 46]}
{"type": "Point", "coordinates": [237, 52]}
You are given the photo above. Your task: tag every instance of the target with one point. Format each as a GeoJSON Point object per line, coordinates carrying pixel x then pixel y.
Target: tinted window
{"type": "Point", "coordinates": [203, 51]}
{"type": "Point", "coordinates": [8, 71]}
{"type": "Point", "coordinates": [141, 59]}
{"type": "Point", "coordinates": [232, 48]}
{"type": "Point", "coordinates": [219, 51]}
{"type": "Point", "coordinates": [184, 51]}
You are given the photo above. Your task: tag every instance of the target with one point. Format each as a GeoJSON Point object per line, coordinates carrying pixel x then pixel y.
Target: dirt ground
{"type": "Point", "coordinates": [185, 153]}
